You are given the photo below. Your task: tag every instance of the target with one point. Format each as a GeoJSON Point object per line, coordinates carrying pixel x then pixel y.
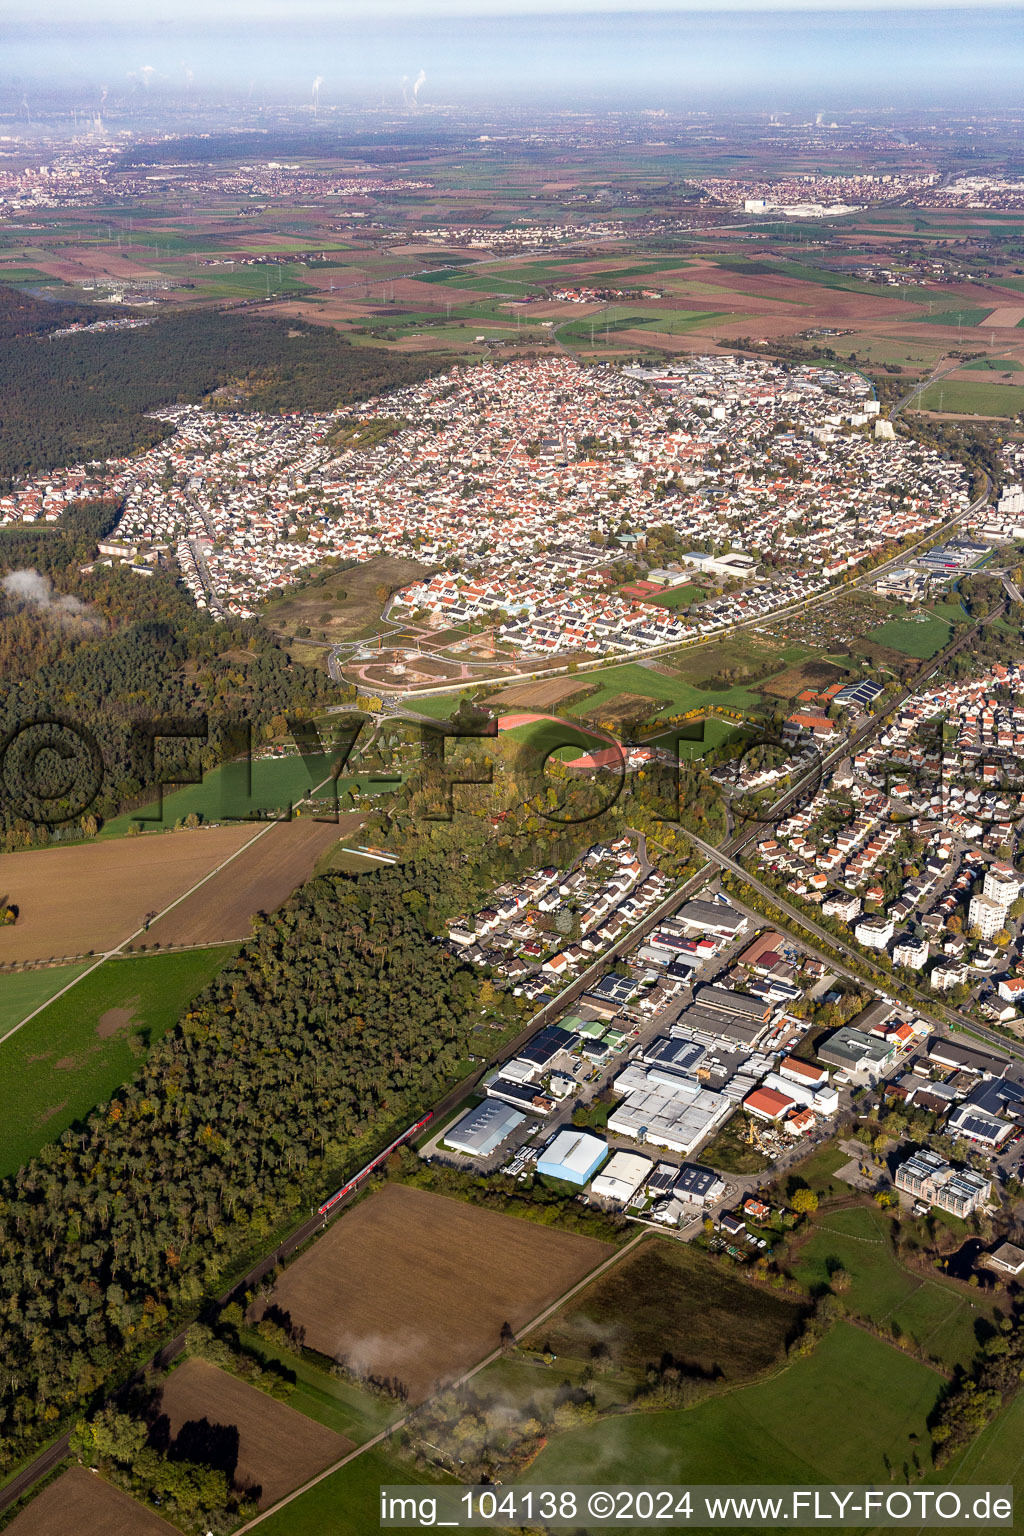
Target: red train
{"type": "Point", "coordinates": [346, 1189]}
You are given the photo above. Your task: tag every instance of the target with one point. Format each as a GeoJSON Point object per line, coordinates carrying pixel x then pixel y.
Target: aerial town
{"type": "Point", "coordinates": [521, 482]}
{"type": "Point", "coordinates": [511, 788]}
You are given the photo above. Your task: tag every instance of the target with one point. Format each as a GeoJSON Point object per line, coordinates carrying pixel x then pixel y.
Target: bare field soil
{"type": "Point", "coordinates": [82, 1504]}
{"type": "Point", "coordinates": [539, 693]}
{"type": "Point", "coordinates": [415, 1286]}
{"type": "Point", "coordinates": [275, 1448]}
{"type": "Point", "coordinates": [341, 604]}
{"type": "Point", "coordinates": [622, 707]}
{"type": "Point", "coordinates": [1006, 317]}
{"type": "Point", "coordinates": [812, 674]}
{"type": "Point", "coordinates": [92, 896]}
{"type": "Point", "coordinates": [258, 881]}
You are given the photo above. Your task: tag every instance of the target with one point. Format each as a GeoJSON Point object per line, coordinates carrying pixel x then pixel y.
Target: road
{"type": "Point", "coordinates": [675, 647]}
{"type": "Point", "coordinates": [530, 1327]}
{"type": "Point", "coordinates": [722, 858]}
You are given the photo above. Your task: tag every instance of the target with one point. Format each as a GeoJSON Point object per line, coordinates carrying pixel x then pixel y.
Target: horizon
{"type": "Point", "coordinates": [668, 57]}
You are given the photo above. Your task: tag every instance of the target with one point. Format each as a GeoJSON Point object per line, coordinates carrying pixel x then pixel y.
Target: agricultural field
{"type": "Point", "coordinates": [414, 1286]}
{"type": "Point", "coordinates": [84, 1503]}
{"type": "Point", "coordinates": [936, 1314]}
{"type": "Point", "coordinates": [815, 675]}
{"type": "Point", "coordinates": [847, 1413]}
{"type": "Point", "coordinates": [665, 683]}
{"type": "Point", "coordinates": [93, 896]}
{"type": "Point", "coordinates": [275, 784]}
{"type": "Point", "coordinates": [617, 710]}
{"type": "Point", "coordinates": [969, 399]}
{"type": "Point", "coordinates": [274, 1448]}
{"type": "Point", "coordinates": [540, 693]}
{"type": "Point", "coordinates": [332, 1401]}
{"type": "Point", "coordinates": [21, 992]}
{"type": "Point", "coordinates": [77, 1051]}
{"type": "Point", "coordinates": [957, 317]}
{"type": "Point", "coordinates": [667, 1296]}
{"type": "Point", "coordinates": [265, 874]}
{"type": "Point", "coordinates": [994, 365]}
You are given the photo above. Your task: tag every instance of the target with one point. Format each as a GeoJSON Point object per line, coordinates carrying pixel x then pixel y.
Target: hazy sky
{"type": "Point", "coordinates": [663, 53]}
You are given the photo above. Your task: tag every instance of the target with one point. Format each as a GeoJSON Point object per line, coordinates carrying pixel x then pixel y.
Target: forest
{"type": "Point", "coordinates": [335, 1023]}
{"type": "Point", "coordinates": [107, 651]}
{"type": "Point", "coordinates": [23, 315]}
{"type": "Point", "coordinates": [86, 396]}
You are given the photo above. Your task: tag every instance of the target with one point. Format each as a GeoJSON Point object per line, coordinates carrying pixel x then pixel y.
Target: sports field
{"type": "Point", "coordinates": [82, 1047]}
{"type": "Point", "coordinates": [414, 1286]}
{"type": "Point", "coordinates": [920, 638]}
{"type": "Point", "coordinates": [937, 1314]}
{"type": "Point", "coordinates": [679, 597]}
{"type": "Point", "coordinates": [848, 1413]}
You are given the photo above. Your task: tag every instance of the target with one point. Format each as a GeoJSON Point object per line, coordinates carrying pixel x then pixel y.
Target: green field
{"type": "Point", "coordinates": [248, 282]}
{"type": "Point", "coordinates": [24, 991]}
{"type": "Point", "coordinates": [677, 695]}
{"type": "Point", "coordinates": [935, 1313]}
{"type": "Point", "coordinates": [965, 316]}
{"type": "Point", "coordinates": [616, 318]}
{"type": "Point", "coordinates": [993, 1459]}
{"type": "Point", "coordinates": [794, 1427]}
{"type": "Point", "coordinates": [348, 1502]}
{"type": "Point", "coordinates": [339, 1405]}
{"type": "Point", "coordinates": [969, 399]}
{"type": "Point", "coordinates": [994, 365]}
{"type": "Point", "coordinates": [920, 638]}
{"type": "Point", "coordinates": [277, 782]}
{"type": "Point", "coordinates": [848, 1413]}
{"type": "Point", "coordinates": [17, 275]}
{"type": "Point", "coordinates": [75, 1053]}
{"type": "Point", "coordinates": [679, 597]}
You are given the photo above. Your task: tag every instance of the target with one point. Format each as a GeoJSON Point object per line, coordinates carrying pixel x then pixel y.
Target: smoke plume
{"type": "Point", "coordinates": [36, 591]}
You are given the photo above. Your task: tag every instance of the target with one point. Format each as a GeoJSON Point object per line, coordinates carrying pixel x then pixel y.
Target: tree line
{"type": "Point", "coordinates": [137, 650]}
{"type": "Point", "coordinates": [332, 1027]}
{"type": "Point", "coordinates": [86, 396]}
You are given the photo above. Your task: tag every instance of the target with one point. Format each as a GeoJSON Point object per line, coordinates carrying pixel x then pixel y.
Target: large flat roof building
{"type": "Point", "coordinates": [483, 1129]}
{"type": "Point", "coordinates": [572, 1155]}
{"type": "Point", "coordinates": [856, 1051]}
{"type": "Point", "coordinates": [667, 1108]}
{"type": "Point", "coordinates": [621, 1177]}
